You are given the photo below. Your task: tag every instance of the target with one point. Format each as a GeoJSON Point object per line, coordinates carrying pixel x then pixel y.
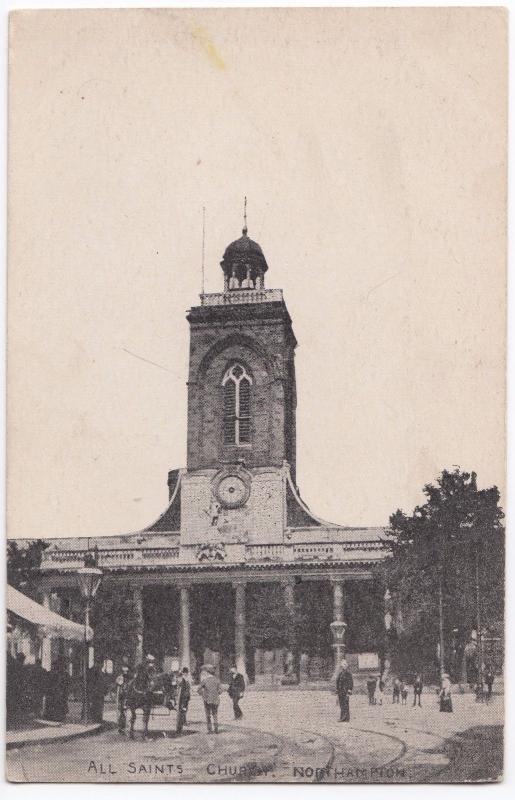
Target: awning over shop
{"type": "Point", "coordinates": [51, 624]}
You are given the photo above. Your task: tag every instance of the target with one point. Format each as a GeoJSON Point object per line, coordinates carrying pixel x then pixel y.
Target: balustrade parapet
{"type": "Point", "coordinates": [216, 554]}
{"type": "Point", "coordinates": [241, 297]}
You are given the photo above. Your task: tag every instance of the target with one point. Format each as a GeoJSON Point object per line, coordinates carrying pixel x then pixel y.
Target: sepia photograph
{"type": "Point", "coordinates": [256, 395]}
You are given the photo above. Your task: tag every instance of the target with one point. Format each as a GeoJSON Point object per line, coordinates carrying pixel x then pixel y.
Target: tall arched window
{"type": "Point", "coordinates": [236, 384]}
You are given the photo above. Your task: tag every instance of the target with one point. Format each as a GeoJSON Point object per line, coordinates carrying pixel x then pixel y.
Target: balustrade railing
{"type": "Point", "coordinates": [74, 559]}
{"type": "Point", "coordinates": [241, 297]}
{"type": "Point", "coordinates": [265, 552]}
{"type": "Point", "coordinates": [216, 554]}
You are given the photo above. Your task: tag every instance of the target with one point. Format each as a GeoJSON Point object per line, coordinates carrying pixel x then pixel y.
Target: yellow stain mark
{"type": "Point", "coordinates": [202, 36]}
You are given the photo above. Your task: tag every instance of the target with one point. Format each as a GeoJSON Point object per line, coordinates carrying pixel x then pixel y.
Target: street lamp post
{"type": "Point", "coordinates": [338, 630]}
{"type": "Point", "coordinates": [89, 579]}
{"type": "Point", "coordinates": [480, 695]}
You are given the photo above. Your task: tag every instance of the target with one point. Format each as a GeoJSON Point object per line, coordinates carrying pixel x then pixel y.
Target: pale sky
{"type": "Point", "coordinates": [371, 147]}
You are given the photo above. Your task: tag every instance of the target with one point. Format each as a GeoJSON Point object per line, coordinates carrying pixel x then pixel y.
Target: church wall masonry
{"type": "Point", "coordinates": [263, 341]}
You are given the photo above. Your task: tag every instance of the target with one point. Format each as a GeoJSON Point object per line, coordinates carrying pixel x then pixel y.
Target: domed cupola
{"type": "Point", "coordinates": [244, 264]}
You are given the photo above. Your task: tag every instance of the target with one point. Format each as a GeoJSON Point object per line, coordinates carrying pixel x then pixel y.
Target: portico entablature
{"type": "Point", "coordinates": [52, 582]}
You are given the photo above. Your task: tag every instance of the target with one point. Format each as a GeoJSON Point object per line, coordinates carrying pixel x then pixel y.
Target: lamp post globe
{"type": "Point", "coordinates": [89, 579]}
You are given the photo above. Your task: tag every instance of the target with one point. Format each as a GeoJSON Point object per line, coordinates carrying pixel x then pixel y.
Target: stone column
{"type": "Point", "coordinates": [239, 628]}
{"type": "Point", "coordinates": [292, 666]}
{"type": "Point", "coordinates": [337, 629]}
{"type": "Point", "coordinates": [184, 649]}
{"type": "Point", "coordinates": [137, 594]}
{"type": "Point", "coordinates": [46, 644]}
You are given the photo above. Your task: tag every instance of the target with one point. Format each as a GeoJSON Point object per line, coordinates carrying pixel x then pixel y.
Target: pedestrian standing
{"type": "Point", "coordinates": [209, 690]}
{"type": "Point", "coordinates": [371, 689]}
{"type": "Point", "coordinates": [183, 699]}
{"type": "Point", "coordinates": [97, 688]}
{"type": "Point", "coordinates": [344, 687]}
{"type": "Point", "coordinates": [445, 694]}
{"type": "Point", "coordinates": [235, 691]}
{"type": "Point", "coordinates": [489, 679]}
{"type": "Point", "coordinates": [404, 694]}
{"type": "Point", "coordinates": [417, 690]}
{"type": "Point", "coordinates": [380, 691]}
{"type": "Point", "coordinates": [396, 690]}
{"type": "Point", "coordinates": [57, 697]}
{"type": "Point", "coordinates": [122, 686]}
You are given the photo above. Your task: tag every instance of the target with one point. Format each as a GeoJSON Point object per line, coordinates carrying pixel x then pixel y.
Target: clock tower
{"type": "Point", "coordinates": [241, 406]}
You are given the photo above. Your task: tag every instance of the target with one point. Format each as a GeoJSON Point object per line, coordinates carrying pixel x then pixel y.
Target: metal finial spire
{"type": "Point", "coordinates": [245, 229]}
{"type": "Point", "coordinates": [203, 243]}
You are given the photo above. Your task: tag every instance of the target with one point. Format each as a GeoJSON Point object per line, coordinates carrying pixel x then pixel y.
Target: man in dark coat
{"type": "Point", "coordinates": [57, 692]}
{"type": "Point", "coordinates": [183, 698]}
{"type": "Point", "coordinates": [122, 686]}
{"type": "Point", "coordinates": [37, 685]}
{"type": "Point", "coordinates": [371, 689]}
{"type": "Point", "coordinates": [489, 679]}
{"type": "Point", "coordinates": [344, 687]}
{"type": "Point", "coordinates": [209, 690]}
{"type": "Point", "coordinates": [417, 690]}
{"type": "Point", "coordinates": [97, 688]}
{"type": "Point", "coordinates": [235, 691]}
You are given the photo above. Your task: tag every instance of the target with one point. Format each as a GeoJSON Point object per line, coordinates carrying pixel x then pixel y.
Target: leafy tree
{"type": "Point", "coordinates": [114, 621]}
{"type": "Point", "coordinates": [23, 563]}
{"type": "Point", "coordinates": [445, 556]}
{"type": "Point", "coordinates": [267, 617]}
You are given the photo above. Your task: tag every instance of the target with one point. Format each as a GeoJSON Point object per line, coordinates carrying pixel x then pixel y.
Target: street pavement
{"type": "Point", "coordinates": [286, 736]}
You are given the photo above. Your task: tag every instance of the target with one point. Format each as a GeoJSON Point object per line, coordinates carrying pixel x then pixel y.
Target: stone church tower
{"type": "Point", "coordinates": [236, 534]}
{"type": "Point", "coordinates": [241, 405]}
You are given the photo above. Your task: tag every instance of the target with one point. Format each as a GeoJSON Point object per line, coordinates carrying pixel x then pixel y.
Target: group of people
{"type": "Point", "coordinates": [145, 688]}
{"type": "Point", "coordinates": [376, 690]}
{"type": "Point", "coordinates": [34, 692]}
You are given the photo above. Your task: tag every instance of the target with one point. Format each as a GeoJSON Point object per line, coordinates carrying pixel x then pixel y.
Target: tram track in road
{"type": "Point", "coordinates": [287, 745]}
{"type": "Point", "coordinates": [279, 767]}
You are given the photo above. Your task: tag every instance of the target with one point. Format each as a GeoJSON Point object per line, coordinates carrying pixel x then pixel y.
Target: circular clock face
{"type": "Point", "coordinates": [232, 491]}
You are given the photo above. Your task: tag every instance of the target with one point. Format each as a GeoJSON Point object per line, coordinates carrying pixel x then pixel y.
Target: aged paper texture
{"type": "Point", "coordinates": [256, 282]}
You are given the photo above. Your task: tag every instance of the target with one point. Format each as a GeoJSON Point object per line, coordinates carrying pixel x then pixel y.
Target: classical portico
{"type": "Point", "coordinates": [237, 561]}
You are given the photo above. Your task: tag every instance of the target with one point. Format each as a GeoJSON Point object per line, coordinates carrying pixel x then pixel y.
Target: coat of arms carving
{"type": "Point", "coordinates": [211, 551]}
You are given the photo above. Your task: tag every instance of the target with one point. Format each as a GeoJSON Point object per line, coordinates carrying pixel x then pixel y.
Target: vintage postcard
{"type": "Point", "coordinates": [256, 395]}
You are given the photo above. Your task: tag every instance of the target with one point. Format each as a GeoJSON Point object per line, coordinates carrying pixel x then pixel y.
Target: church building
{"type": "Point", "coordinates": [237, 569]}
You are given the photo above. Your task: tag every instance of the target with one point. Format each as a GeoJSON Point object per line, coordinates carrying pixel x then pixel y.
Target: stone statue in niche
{"type": "Point", "coordinates": [213, 512]}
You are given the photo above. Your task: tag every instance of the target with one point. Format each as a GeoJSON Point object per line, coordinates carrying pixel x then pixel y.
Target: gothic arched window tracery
{"type": "Point", "coordinates": [237, 390]}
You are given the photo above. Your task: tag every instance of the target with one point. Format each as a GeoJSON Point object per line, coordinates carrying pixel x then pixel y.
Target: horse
{"type": "Point", "coordinates": [145, 691]}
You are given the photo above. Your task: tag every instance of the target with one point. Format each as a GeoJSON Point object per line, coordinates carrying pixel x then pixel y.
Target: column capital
{"type": "Point", "coordinates": [288, 580]}
{"type": "Point", "coordinates": [239, 582]}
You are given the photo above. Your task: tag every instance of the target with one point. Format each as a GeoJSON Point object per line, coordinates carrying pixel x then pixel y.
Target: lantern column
{"type": "Point", "coordinates": [338, 625]}
{"type": "Point", "coordinates": [239, 628]}
{"type": "Point", "coordinates": [185, 627]}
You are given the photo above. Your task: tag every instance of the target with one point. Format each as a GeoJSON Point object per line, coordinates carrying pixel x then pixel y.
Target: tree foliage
{"type": "Point", "coordinates": [267, 617]}
{"type": "Point", "coordinates": [455, 537]}
{"type": "Point", "coordinates": [115, 622]}
{"type": "Point", "coordinates": [23, 563]}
